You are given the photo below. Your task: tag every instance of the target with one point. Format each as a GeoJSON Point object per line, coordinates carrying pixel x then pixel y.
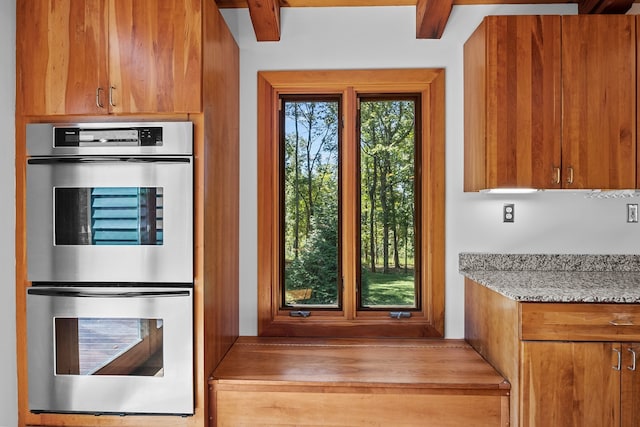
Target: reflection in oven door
{"type": "Point", "coordinates": [110, 219]}
{"type": "Point", "coordinates": [123, 350]}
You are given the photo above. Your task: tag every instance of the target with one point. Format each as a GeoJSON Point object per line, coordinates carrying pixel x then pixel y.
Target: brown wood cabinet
{"type": "Point", "coordinates": [550, 103]}
{"type": "Point", "coordinates": [568, 363]}
{"type": "Point", "coordinates": [152, 52]}
{"type": "Point", "coordinates": [109, 57]}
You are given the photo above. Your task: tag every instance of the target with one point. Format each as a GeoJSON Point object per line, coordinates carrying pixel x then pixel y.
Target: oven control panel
{"type": "Point", "coordinates": [79, 137]}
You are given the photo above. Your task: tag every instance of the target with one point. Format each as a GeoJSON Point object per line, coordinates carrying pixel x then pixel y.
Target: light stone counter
{"type": "Point", "coordinates": [556, 278]}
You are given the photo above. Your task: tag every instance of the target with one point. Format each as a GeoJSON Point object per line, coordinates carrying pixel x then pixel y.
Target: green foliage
{"type": "Point", "coordinates": [387, 175]}
{"type": "Point", "coordinates": [317, 264]}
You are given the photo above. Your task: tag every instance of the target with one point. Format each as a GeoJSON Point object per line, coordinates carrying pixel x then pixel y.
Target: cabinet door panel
{"type": "Point", "coordinates": [566, 383]}
{"type": "Point", "coordinates": [599, 104]}
{"type": "Point", "coordinates": [61, 60]}
{"type": "Point", "coordinates": [523, 101]}
{"type": "Point", "coordinates": [631, 385]}
{"type": "Point", "coordinates": [155, 57]}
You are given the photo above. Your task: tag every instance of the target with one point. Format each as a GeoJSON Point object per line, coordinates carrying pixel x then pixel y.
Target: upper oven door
{"type": "Point", "coordinates": [119, 219]}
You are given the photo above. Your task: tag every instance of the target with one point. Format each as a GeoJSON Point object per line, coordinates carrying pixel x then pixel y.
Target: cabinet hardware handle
{"type": "Point", "coordinates": [111, 89]}
{"type": "Point", "coordinates": [556, 175]}
{"type": "Point", "coordinates": [619, 366]}
{"type": "Point", "coordinates": [621, 322]}
{"type": "Point", "coordinates": [633, 365]}
{"type": "Point", "coordinates": [98, 102]}
{"type": "Point", "coordinates": [570, 178]}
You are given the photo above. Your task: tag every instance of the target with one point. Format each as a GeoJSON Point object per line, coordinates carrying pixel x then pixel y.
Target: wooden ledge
{"type": "Point", "coordinates": [388, 363]}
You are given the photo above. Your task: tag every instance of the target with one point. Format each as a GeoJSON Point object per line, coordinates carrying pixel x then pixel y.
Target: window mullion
{"type": "Point", "coordinates": [348, 207]}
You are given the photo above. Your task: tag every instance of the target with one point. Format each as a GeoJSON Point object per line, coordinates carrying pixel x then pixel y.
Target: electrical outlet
{"type": "Point", "coordinates": [508, 212]}
{"type": "Point", "coordinates": [632, 212]}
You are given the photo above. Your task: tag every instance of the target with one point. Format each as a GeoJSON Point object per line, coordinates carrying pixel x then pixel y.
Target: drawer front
{"type": "Point", "coordinates": [579, 322]}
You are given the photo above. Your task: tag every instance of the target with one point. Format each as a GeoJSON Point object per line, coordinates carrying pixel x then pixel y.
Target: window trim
{"type": "Point", "coordinates": [429, 322]}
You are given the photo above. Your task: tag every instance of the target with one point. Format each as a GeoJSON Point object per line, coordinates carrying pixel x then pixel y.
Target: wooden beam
{"type": "Point", "coordinates": [432, 17]}
{"type": "Point", "coordinates": [604, 6]}
{"type": "Point", "coordinates": [265, 17]}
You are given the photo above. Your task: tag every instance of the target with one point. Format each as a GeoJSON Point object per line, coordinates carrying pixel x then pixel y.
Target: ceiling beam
{"type": "Point", "coordinates": [265, 17]}
{"type": "Point", "coordinates": [432, 17]}
{"type": "Point", "coordinates": [604, 6]}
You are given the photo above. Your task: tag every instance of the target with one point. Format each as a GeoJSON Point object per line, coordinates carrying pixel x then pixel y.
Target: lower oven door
{"type": "Point", "coordinates": [101, 350]}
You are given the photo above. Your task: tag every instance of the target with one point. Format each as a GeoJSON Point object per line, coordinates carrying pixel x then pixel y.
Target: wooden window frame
{"type": "Point", "coordinates": [349, 322]}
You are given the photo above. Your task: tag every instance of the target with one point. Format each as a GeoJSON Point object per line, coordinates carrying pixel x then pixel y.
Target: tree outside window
{"type": "Point", "coordinates": [351, 203]}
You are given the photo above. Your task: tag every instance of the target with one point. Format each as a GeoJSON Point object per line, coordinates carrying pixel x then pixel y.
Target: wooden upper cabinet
{"type": "Point", "coordinates": [512, 103]}
{"type": "Point", "coordinates": [155, 59]}
{"type": "Point", "coordinates": [599, 101]}
{"type": "Point", "coordinates": [60, 56]}
{"type": "Point", "coordinates": [108, 56]}
{"type": "Point", "coordinates": [550, 102]}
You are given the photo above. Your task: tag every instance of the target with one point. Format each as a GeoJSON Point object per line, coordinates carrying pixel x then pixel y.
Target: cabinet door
{"type": "Point", "coordinates": [61, 60]}
{"type": "Point", "coordinates": [599, 101]}
{"type": "Point", "coordinates": [630, 370]}
{"type": "Point", "coordinates": [155, 55]}
{"type": "Point", "coordinates": [570, 384]}
{"type": "Point", "coordinates": [512, 103]}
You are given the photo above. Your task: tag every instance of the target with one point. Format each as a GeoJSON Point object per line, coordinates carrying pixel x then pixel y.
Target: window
{"type": "Point", "coordinates": [351, 203]}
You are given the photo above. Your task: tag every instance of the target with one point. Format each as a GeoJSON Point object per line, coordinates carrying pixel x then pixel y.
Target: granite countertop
{"type": "Point", "coordinates": [556, 278]}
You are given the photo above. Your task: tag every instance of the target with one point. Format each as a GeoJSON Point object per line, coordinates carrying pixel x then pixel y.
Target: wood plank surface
{"type": "Point", "coordinates": [356, 382]}
{"type": "Point", "coordinates": [357, 362]}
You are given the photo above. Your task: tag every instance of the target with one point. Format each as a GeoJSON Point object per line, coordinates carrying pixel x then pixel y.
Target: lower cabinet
{"type": "Point", "coordinates": [580, 383]}
{"type": "Point", "coordinates": [569, 364]}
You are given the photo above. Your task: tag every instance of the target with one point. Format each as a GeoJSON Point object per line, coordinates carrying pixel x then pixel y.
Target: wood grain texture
{"type": "Point", "coordinates": [265, 17]}
{"type": "Point", "coordinates": [155, 56]}
{"type": "Point", "coordinates": [432, 17]}
{"type": "Point", "coordinates": [350, 322]}
{"type": "Point", "coordinates": [599, 109]}
{"type": "Point", "coordinates": [340, 3]}
{"type": "Point", "coordinates": [512, 103]}
{"type": "Point", "coordinates": [218, 157]}
{"type": "Point", "coordinates": [570, 384]}
{"type": "Point", "coordinates": [491, 328]}
{"type": "Point", "coordinates": [580, 322]}
{"type": "Point", "coordinates": [630, 385]}
{"type": "Point", "coordinates": [61, 59]}
{"type": "Point", "coordinates": [216, 217]}
{"type": "Point", "coordinates": [286, 381]}
{"type": "Point", "coordinates": [604, 6]}
{"type": "Point", "coordinates": [559, 374]}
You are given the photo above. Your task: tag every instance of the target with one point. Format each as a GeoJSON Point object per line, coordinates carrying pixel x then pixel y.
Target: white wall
{"type": "Point", "coordinates": [8, 379]}
{"type": "Point", "coordinates": [384, 37]}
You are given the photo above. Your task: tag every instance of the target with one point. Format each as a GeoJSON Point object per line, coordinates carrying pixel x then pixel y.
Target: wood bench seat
{"type": "Point", "coordinates": [356, 382]}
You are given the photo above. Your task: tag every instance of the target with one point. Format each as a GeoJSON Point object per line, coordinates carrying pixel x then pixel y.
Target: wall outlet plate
{"type": "Point", "coordinates": [508, 212]}
{"type": "Point", "coordinates": [632, 212]}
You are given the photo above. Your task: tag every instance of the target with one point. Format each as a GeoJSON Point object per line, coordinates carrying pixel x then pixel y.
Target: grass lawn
{"type": "Point", "coordinates": [395, 288]}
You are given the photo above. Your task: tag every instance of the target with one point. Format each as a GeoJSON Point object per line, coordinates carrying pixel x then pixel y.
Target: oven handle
{"type": "Point", "coordinates": [85, 294]}
{"type": "Point", "coordinates": [115, 159]}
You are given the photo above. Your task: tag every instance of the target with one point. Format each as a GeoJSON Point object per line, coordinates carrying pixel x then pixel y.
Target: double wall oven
{"type": "Point", "coordinates": [110, 261]}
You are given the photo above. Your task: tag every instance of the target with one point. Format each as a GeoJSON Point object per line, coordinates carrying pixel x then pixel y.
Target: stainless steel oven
{"type": "Point", "coordinates": [110, 350]}
{"type": "Point", "coordinates": [110, 202]}
{"type": "Point", "coordinates": [110, 260]}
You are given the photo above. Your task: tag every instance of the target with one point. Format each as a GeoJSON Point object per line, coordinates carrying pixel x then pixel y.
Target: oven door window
{"type": "Point", "coordinates": [108, 346]}
{"type": "Point", "coordinates": [108, 216]}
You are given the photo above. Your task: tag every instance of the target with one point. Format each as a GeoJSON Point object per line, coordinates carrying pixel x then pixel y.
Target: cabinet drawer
{"type": "Point", "coordinates": [580, 322]}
